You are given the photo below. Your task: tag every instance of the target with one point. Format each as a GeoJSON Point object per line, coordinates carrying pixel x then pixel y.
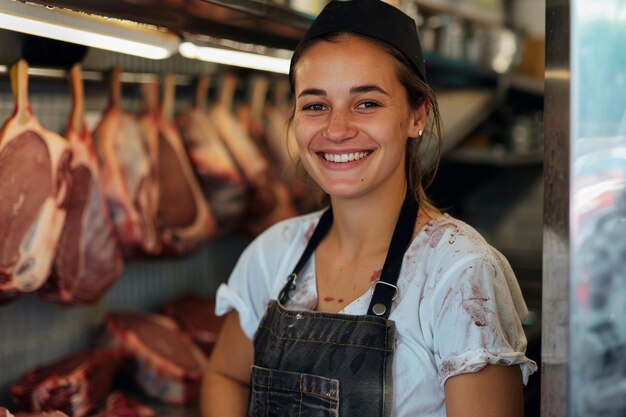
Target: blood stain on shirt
{"type": "Point", "coordinates": [474, 306]}
{"type": "Point", "coordinates": [309, 233]}
{"type": "Point", "coordinates": [453, 235]}
{"type": "Point", "coordinates": [376, 275]}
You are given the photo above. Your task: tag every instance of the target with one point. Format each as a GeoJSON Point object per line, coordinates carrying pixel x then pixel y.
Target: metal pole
{"type": "Point", "coordinates": [555, 288]}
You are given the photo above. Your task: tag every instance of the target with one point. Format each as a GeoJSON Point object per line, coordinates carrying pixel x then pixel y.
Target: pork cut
{"type": "Point", "coordinates": [128, 175]}
{"type": "Point", "coordinates": [196, 317]}
{"type": "Point", "coordinates": [34, 190]}
{"type": "Point", "coordinates": [88, 259]}
{"type": "Point", "coordinates": [221, 180]}
{"type": "Point", "coordinates": [282, 146]}
{"type": "Point", "coordinates": [74, 385]}
{"type": "Point", "coordinates": [184, 218]}
{"type": "Point", "coordinates": [247, 156]}
{"type": "Point", "coordinates": [167, 365]}
{"type": "Point", "coordinates": [251, 117]}
{"type": "Point", "coordinates": [119, 405]}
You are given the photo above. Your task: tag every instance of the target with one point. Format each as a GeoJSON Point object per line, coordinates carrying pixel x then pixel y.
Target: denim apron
{"type": "Point", "coordinates": [317, 364]}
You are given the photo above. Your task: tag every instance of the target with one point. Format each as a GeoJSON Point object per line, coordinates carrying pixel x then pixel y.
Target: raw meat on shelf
{"type": "Point", "coordinates": [75, 385]}
{"type": "Point", "coordinates": [167, 365]}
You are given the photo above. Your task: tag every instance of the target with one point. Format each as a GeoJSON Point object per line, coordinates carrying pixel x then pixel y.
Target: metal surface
{"type": "Point", "coordinates": [555, 317]}
{"type": "Point", "coordinates": [598, 209]}
{"type": "Point", "coordinates": [241, 20]}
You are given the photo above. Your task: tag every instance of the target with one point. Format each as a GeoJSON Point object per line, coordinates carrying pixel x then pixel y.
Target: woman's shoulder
{"type": "Point", "coordinates": [450, 244]}
{"type": "Point", "coordinates": [446, 234]}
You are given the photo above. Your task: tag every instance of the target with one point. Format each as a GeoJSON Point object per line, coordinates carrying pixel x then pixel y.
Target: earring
{"type": "Point", "coordinates": [420, 132]}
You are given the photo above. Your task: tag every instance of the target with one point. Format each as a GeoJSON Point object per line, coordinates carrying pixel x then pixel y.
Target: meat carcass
{"type": "Point", "coordinates": [168, 366]}
{"type": "Point", "coordinates": [75, 385]}
{"type": "Point", "coordinates": [251, 117]}
{"type": "Point", "coordinates": [34, 190]}
{"type": "Point", "coordinates": [282, 146]}
{"type": "Point", "coordinates": [269, 200]}
{"type": "Point", "coordinates": [88, 259]}
{"type": "Point", "coordinates": [196, 317]}
{"type": "Point", "coordinates": [118, 405]}
{"type": "Point", "coordinates": [128, 175]}
{"type": "Point", "coordinates": [184, 218]}
{"type": "Point", "coordinates": [223, 184]}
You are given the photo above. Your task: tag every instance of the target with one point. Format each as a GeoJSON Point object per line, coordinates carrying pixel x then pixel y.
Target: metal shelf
{"type": "Point", "coordinates": [495, 156]}
{"type": "Point", "coordinates": [462, 111]}
{"type": "Point", "coordinates": [465, 11]}
{"type": "Point", "coordinates": [526, 83]}
{"type": "Point", "coordinates": [250, 21]}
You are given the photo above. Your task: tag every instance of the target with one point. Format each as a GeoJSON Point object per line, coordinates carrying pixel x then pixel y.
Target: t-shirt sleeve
{"type": "Point", "coordinates": [477, 312]}
{"type": "Point", "coordinates": [261, 270]}
{"type": "Point", "coordinates": [248, 288]}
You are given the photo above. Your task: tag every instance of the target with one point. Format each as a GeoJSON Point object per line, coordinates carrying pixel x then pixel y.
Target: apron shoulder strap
{"type": "Point", "coordinates": [385, 289]}
{"type": "Point", "coordinates": [318, 234]}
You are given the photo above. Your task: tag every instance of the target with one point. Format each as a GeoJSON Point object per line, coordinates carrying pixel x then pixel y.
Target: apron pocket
{"type": "Point", "coordinates": [276, 393]}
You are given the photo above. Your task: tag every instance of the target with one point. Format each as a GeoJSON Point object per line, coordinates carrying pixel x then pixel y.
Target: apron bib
{"type": "Point", "coordinates": [317, 364]}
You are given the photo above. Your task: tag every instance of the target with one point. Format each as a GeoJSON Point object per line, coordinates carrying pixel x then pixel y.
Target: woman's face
{"type": "Point", "coordinates": [352, 119]}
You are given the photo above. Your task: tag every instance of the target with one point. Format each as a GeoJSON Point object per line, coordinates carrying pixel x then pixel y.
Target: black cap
{"type": "Point", "coordinates": [375, 19]}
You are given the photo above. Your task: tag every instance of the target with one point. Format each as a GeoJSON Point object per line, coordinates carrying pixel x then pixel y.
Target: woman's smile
{"type": "Point", "coordinates": [344, 157]}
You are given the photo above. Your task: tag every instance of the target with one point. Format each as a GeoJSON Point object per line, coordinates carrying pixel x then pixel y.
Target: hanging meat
{"type": "Point", "coordinates": [221, 180]}
{"type": "Point", "coordinates": [167, 365]}
{"type": "Point", "coordinates": [184, 218]}
{"type": "Point", "coordinates": [251, 117]}
{"type": "Point", "coordinates": [75, 385]}
{"type": "Point", "coordinates": [88, 259]}
{"type": "Point", "coordinates": [128, 175]}
{"type": "Point", "coordinates": [269, 201]}
{"type": "Point", "coordinates": [281, 143]}
{"type": "Point", "coordinates": [34, 190]}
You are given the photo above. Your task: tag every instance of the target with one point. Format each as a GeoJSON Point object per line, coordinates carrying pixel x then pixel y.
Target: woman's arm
{"type": "Point", "coordinates": [494, 391]}
{"type": "Point", "coordinates": [225, 385]}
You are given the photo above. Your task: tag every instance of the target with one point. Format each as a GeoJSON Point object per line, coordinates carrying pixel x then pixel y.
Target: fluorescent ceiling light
{"type": "Point", "coordinates": [89, 30]}
{"type": "Point", "coordinates": [235, 58]}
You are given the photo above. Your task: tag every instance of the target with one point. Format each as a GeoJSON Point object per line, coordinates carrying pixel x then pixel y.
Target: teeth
{"type": "Point", "coordinates": [345, 157]}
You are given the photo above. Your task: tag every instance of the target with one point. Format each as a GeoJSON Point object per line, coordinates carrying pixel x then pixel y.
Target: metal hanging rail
{"type": "Point", "coordinates": [127, 77]}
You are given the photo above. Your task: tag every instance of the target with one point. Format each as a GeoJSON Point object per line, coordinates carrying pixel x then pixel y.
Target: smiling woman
{"type": "Point", "coordinates": [380, 305]}
{"type": "Point", "coordinates": [349, 100]}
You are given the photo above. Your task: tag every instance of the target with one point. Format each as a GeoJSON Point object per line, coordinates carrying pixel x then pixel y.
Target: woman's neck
{"type": "Point", "coordinates": [366, 224]}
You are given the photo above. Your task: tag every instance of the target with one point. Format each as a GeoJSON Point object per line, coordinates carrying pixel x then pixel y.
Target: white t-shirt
{"type": "Point", "coordinates": [459, 305]}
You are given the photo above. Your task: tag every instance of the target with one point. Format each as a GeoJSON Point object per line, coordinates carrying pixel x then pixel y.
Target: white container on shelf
{"type": "Point", "coordinates": [312, 7]}
{"type": "Point", "coordinates": [529, 16]}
